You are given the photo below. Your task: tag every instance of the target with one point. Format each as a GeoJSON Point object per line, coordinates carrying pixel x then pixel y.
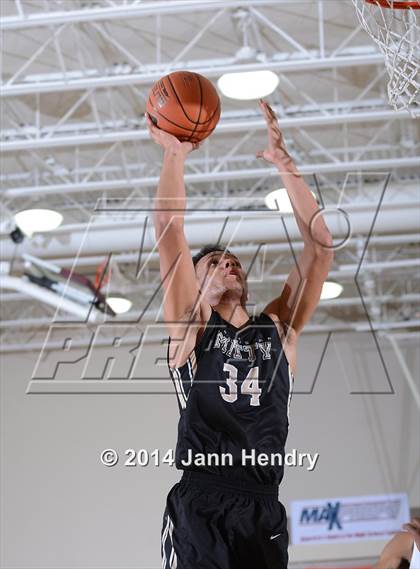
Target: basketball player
{"type": "Point", "coordinates": [233, 375]}
{"type": "Point", "coordinates": [403, 550]}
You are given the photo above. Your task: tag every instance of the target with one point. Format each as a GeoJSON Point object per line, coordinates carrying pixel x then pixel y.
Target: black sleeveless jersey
{"type": "Point", "coordinates": [234, 394]}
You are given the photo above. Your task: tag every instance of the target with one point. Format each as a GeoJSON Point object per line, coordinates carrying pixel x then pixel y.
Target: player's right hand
{"type": "Point", "coordinates": [169, 141]}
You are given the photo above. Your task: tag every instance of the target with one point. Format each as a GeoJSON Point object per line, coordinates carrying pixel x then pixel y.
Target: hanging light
{"type": "Point", "coordinates": [119, 304]}
{"type": "Point", "coordinates": [279, 200]}
{"type": "Point", "coordinates": [330, 290]}
{"type": "Point", "coordinates": [248, 85]}
{"type": "Point", "coordinates": [32, 221]}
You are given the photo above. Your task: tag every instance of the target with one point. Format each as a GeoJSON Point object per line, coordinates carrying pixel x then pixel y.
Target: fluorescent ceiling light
{"type": "Point", "coordinates": [31, 221]}
{"type": "Point", "coordinates": [119, 304]}
{"type": "Point", "coordinates": [248, 85]}
{"type": "Point", "coordinates": [279, 200]}
{"type": "Point", "coordinates": [331, 289]}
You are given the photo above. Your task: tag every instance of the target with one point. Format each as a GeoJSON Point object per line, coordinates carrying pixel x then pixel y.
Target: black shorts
{"type": "Point", "coordinates": [213, 523]}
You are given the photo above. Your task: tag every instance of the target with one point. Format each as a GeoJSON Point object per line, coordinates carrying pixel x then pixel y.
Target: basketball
{"type": "Point", "coordinates": [185, 104]}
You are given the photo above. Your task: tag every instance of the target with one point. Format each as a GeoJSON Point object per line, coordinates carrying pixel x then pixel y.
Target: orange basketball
{"type": "Point", "coordinates": [185, 104]}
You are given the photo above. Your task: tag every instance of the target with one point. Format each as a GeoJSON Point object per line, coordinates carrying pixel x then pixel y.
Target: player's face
{"type": "Point", "coordinates": [219, 272]}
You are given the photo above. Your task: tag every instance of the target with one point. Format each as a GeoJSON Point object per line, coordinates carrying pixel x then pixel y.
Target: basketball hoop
{"type": "Point", "coordinates": [394, 26]}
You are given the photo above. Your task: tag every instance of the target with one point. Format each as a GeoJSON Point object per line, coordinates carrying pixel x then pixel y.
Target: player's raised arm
{"type": "Point", "coordinates": [302, 290]}
{"type": "Point", "coordinates": [176, 266]}
{"type": "Point", "coordinates": [398, 549]}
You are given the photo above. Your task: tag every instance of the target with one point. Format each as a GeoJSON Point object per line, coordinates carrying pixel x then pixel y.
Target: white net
{"type": "Point", "coordinates": [394, 26]}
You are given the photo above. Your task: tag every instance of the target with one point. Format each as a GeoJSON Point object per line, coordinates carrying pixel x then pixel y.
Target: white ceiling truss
{"type": "Point", "coordinates": [76, 77]}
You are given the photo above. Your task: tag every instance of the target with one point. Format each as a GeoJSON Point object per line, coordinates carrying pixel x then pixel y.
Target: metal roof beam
{"type": "Point", "coordinates": [240, 249]}
{"type": "Point", "coordinates": [197, 178]}
{"type": "Point", "coordinates": [373, 105]}
{"type": "Point", "coordinates": [262, 226]}
{"type": "Point", "coordinates": [293, 63]}
{"type": "Point", "coordinates": [229, 126]}
{"type": "Point", "coordinates": [128, 11]}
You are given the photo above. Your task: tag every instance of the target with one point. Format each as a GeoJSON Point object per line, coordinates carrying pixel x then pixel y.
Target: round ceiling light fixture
{"type": "Point", "coordinates": [331, 289]}
{"type": "Point", "coordinates": [248, 85]}
{"type": "Point", "coordinates": [279, 200]}
{"type": "Point", "coordinates": [32, 221]}
{"type": "Point", "coordinates": [119, 304]}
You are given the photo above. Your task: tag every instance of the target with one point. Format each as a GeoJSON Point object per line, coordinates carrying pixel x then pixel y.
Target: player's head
{"type": "Point", "coordinates": [220, 272]}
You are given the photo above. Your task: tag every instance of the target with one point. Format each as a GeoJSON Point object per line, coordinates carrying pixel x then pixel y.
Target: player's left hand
{"type": "Point", "coordinates": [276, 152]}
{"type": "Point", "coordinates": [414, 529]}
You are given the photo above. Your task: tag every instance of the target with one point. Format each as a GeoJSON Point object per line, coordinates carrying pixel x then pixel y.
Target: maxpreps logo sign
{"type": "Point", "coordinates": [322, 515]}
{"type": "Point", "coordinates": [347, 519]}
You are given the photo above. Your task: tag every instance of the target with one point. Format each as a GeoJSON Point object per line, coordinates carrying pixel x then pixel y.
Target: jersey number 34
{"type": "Point", "coordinates": [249, 386]}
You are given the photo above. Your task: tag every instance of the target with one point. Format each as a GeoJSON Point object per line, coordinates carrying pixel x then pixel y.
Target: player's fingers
{"type": "Point", "coordinates": [273, 118]}
{"type": "Point", "coordinates": [271, 114]}
{"type": "Point", "coordinates": [270, 117]}
{"type": "Point", "coordinates": [153, 136]}
{"type": "Point", "coordinates": [263, 107]}
{"type": "Point", "coordinates": [152, 132]}
{"type": "Point", "coordinates": [414, 524]}
{"type": "Point", "coordinates": [150, 128]}
{"type": "Point", "coordinates": [275, 134]}
{"type": "Point", "coordinates": [267, 113]}
{"type": "Point", "coordinates": [264, 103]}
{"type": "Point", "coordinates": [271, 111]}
{"type": "Point", "coordinates": [269, 108]}
{"type": "Point", "coordinates": [413, 530]}
{"type": "Point", "coordinates": [150, 123]}
{"type": "Point", "coordinates": [156, 135]}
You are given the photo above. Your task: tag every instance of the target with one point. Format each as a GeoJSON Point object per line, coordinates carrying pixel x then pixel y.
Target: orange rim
{"type": "Point", "coordinates": [397, 5]}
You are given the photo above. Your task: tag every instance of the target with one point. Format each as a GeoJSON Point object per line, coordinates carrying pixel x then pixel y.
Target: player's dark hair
{"type": "Point", "coordinates": [209, 248]}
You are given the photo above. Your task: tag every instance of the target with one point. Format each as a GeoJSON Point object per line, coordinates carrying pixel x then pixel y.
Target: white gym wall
{"type": "Point", "coordinates": [76, 75]}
